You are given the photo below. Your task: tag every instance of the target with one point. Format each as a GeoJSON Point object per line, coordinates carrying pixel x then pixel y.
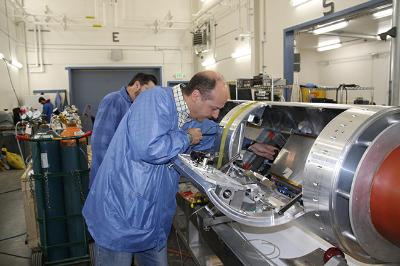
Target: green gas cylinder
{"type": "Point", "coordinates": [49, 195]}
{"type": "Point", "coordinates": [74, 162]}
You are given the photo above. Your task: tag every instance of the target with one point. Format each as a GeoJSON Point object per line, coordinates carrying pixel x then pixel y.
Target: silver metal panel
{"type": "Point", "coordinates": [292, 157]}
{"type": "Point", "coordinates": [241, 247]}
{"type": "Point", "coordinates": [314, 258]}
{"type": "Point", "coordinates": [323, 165]}
{"type": "Point", "coordinates": [322, 169]}
{"type": "Point", "coordinates": [233, 138]}
{"type": "Point", "coordinates": [330, 170]}
{"type": "Point", "coordinates": [310, 122]}
{"type": "Point", "coordinates": [331, 179]}
{"type": "Point", "coordinates": [198, 181]}
{"type": "Point", "coordinates": [208, 180]}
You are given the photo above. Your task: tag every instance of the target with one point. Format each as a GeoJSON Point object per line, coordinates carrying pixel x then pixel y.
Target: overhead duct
{"type": "Point", "coordinates": [201, 38]}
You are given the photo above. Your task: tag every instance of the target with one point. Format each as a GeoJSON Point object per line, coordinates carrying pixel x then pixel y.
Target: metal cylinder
{"type": "Point", "coordinates": [49, 197]}
{"type": "Point", "coordinates": [74, 163]}
{"type": "Point", "coordinates": [344, 202]}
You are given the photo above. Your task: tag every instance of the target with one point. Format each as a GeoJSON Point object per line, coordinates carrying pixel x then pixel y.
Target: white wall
{"type": "Point", "coordinates": [233, 19]}
{"type": "Point", "coordinates": [81, 44]}
{"type": "Point", "coordinates": [309, 67]}
{"type": "Point", "coordinates": [13, 49]}
{"type": "Point", "coordinates": [281, 15]}
{"type": "Point", "coordinates": [364, 64]}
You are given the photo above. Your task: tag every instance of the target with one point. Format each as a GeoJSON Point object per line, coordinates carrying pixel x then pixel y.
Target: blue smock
{"type": "Point", "coordinates": [111, 110]}
{"type": "Point", "coordinates": [131, 203]}
{"type": "Point", "coordinates": [48, 110]}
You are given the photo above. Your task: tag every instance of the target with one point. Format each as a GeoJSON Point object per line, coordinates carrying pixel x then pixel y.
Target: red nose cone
{"type": "Point", "coordinates": [385, 198]}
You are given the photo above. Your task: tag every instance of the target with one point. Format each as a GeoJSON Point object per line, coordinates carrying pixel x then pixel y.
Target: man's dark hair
{"type": "Point", "coordinates": [143, 79]}
{"type": "Point", "coordinates": [202, 81]}
{"type": "Point", "coordinates": [41, 99]}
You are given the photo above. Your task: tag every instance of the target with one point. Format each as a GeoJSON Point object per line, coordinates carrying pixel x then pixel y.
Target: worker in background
{"type": "Point", "coordinates": [111, 110]}
{"type": "Point", "coordinates": [131, 203]}
{"type": "Point", "coordinates": [47, 108]}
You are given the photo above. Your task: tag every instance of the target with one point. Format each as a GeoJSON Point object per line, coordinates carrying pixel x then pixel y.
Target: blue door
{"type": "Point", "coordinates": [88, 85]}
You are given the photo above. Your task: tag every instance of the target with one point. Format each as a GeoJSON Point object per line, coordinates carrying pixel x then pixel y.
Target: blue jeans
{"type": "Point", "coordinates": [151, 257]}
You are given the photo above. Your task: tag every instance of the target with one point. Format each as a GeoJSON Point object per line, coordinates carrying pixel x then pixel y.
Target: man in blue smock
{"type": "Point", "coordinates": [47, 108]}
{"type": "Point", "coordinates": [111, 110]}
{"type": "Point", "coordinates": [131, 203]}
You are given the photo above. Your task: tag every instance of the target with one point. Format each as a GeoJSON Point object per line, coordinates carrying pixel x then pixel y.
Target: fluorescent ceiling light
{"type": "Point", "coordinates": [383, 13]}
{"type": "Point", "coordinates": [241, 52]}
{"type": "Point", "coordinates": [1, 56]}
{"type": "Point", "coordinates": [329, 47]}
{"type": "Point", "coordinates": [328, 42]}
{"type": "Point", "coordinates": [208, 62]}
{"type": "Point", "coordinates": [299, 2]}
{"type": "Point", "coordinates": [16, 64]}
{"type": "Point", "coordinates": [331, 27]}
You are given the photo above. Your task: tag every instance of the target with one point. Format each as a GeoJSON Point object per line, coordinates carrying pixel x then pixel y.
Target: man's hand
{"type": "Point", "coordinates": [195, 135]}
{"type": "Point", "coordinates": [264, 150]}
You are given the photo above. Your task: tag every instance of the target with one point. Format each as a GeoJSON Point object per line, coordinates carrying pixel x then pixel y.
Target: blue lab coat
{"type": "Point", "coordinates": [131, 203]}
{"type": "Point", "coordinates": [110, 113]}
{"type": "Point", "coordinates": [48, 110]}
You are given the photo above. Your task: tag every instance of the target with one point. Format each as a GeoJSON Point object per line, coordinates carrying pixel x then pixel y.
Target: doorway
{"type": "Point", "coordinates": [343, 48]}
{"type": "Point", "coordinates": [89, 85]}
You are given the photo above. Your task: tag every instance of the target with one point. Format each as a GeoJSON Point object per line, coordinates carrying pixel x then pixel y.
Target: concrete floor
{"type": "Point", "coordinates": [13, 250]}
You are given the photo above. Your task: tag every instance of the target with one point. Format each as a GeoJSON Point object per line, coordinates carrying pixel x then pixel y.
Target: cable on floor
{"type": "Point", "coordinates": [248, 242]}
{"type": "Point", "coordinates": [14, 255]}
{"type": "Point", "coordinates": [9, 191]}
{"type": "Point", "coordinates": [274, 248]}
{"type": "Point", "coordinates": [10, 237]}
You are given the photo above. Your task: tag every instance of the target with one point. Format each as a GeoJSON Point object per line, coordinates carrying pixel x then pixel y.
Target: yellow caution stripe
{"type": "Point", "coordinates": [226, 130]}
